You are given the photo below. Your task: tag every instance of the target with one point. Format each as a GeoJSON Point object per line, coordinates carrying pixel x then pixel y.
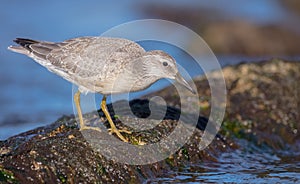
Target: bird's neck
{"type": "Point", "coordinates": [144, 71]}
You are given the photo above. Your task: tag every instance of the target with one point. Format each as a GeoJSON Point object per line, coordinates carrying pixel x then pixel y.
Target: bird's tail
{"type": "Point", "coordinates": [25, 42]}
{"type": "Point", "coordinates": [24, 45]}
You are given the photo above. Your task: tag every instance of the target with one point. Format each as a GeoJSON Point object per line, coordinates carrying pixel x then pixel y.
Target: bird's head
{"type": "Point", "coordinates": [162, 65]}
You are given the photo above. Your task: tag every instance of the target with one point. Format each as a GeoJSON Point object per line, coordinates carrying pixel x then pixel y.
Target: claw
{"type": "Point", "coordinates": [121, 131]}
{"type": "Point", "coordinates": [118, 133]}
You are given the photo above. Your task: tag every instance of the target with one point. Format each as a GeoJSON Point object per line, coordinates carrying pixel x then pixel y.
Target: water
{"type": "Point", "coordinates": [240, 166]}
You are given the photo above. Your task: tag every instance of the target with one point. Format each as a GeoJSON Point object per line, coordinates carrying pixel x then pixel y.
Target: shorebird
{"type": "Point", "coordinates": [102, 65]}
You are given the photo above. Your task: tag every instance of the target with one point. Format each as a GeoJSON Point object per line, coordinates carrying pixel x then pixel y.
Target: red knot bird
{"type": "Point", "coordinates": [102, 65]}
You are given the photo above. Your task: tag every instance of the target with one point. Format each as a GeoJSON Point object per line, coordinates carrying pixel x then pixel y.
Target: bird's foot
{"type": "Point", "coordinates": [110, 130]}
{"type": "Point", "coordinates": [114, 130]}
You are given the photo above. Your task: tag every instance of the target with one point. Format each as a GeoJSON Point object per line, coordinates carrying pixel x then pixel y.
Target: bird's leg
{"type": "Point", "coordinates": [113, 128]}
{"type": "Point", "coordinates": [81, 123]}
{"type": "Point", "coordinates": [77, 104]}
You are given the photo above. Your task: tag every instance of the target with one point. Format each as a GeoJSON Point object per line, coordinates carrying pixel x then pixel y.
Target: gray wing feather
{"type": "Point", "coordinates": [42, 49]}
{"type": "Point", "coordinates": [93, 56]}
{"type": "Point", "coordinates": [85, 61]}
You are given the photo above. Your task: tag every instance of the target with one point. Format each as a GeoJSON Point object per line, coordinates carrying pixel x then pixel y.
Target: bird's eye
{"type": "Point", "coordinates": [165, 63]}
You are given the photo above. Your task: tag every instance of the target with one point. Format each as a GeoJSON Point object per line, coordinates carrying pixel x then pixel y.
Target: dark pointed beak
{"type": "Point", "coordinates": [183, 82]}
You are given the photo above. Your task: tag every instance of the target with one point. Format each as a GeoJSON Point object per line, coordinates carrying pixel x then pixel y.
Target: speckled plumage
{"type": "Point", "coordinates": [103, 65]}
{"type": "Point", "coordinates": [100, 64]}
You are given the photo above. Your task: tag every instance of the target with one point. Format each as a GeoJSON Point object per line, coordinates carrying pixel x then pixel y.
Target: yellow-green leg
{"type": "Point", "coordinates": [113, 128]}
{"type": "Point", "coordinates": [77, 104]}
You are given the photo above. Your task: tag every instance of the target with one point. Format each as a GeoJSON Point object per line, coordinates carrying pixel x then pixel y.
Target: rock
{"type": "Point", "coordinates": [293, 5]}
{"type": "Point", "coordinates": [268, 101]}
{"type": "Point", "coordinates": [262, 108]}
{"type": "Point", "coordinates": [262, 103]}
{"type": "Point", "coordinates": [233, 36]}
{"type": "Point", "coordinates": [60, 153]}
{"type": "Point", "coordinates": [237, 37]}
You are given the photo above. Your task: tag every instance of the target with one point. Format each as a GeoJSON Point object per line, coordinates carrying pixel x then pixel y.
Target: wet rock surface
{"type": "Point", "coordinates": [262, 107]}
{"type": "Point", "coordinates": [60, 153]}
{"type": "Point", "coordinates": [268, 101]}
{"type": "Point", "coordinates": [262, 102]}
